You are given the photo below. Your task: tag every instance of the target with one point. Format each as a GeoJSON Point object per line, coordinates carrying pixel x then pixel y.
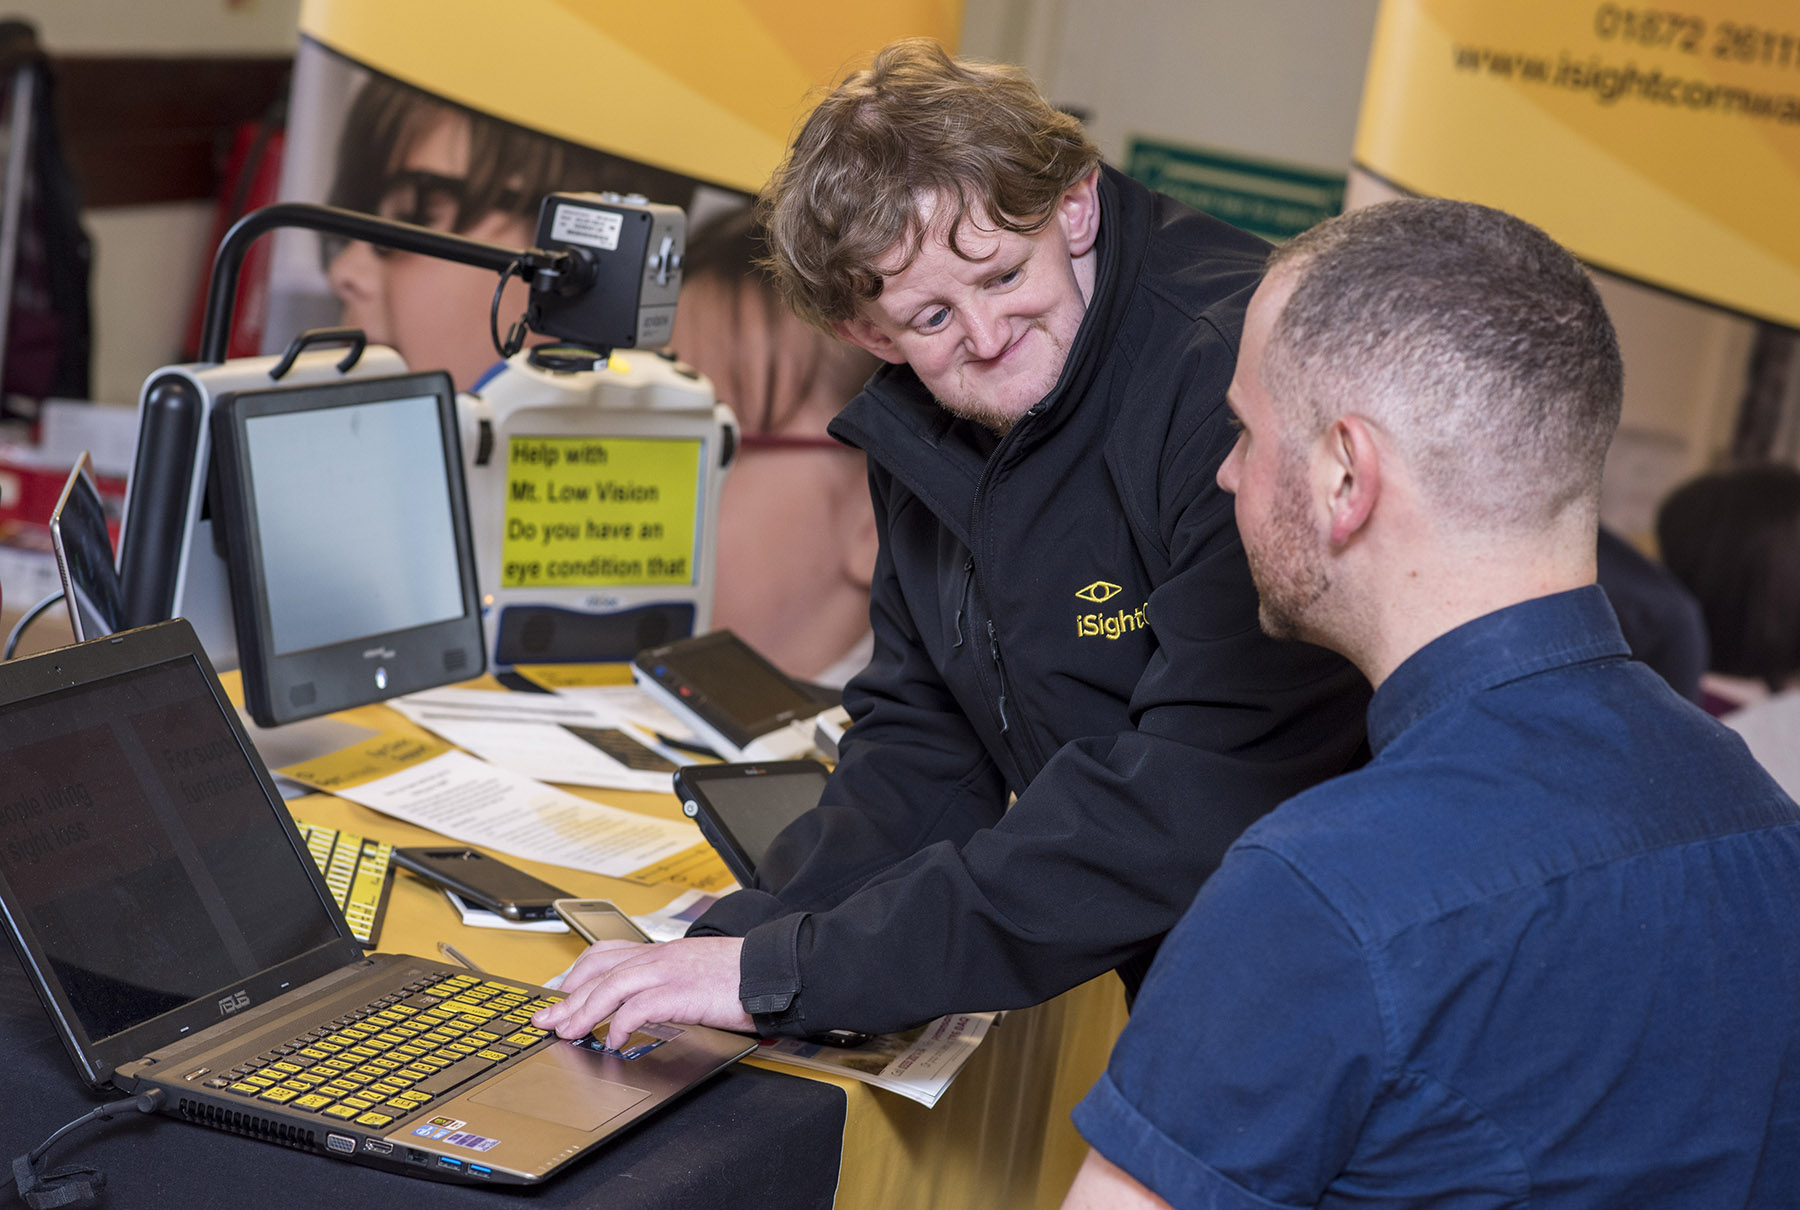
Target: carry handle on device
{"type": "Point", "coordinates": [356, 338]}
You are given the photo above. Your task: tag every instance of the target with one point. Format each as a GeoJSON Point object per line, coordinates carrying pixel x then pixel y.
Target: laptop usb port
{"type": "Point", "coordinates": [480, 1170]}
{"type": "Point", "coordinates": [445, 1161]}
{"type": "Point", "coordinates": [378, 1147]}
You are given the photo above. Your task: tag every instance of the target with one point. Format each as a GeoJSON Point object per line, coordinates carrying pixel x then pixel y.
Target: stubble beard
{"type": "Point", "coordinates": [969, 405]}
{"type": "Point", "coordinates": [1285, 565]}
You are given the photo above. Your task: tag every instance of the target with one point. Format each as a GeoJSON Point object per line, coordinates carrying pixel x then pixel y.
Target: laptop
{"type": "Point", "coordinates": [182, 938]}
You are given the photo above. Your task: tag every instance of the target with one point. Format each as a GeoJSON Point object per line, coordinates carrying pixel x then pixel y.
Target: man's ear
{"type": "Point", "coordinates": [1078, 210]}
{"type": "Point", "coordinates": [1353, 457]}
{"type": "Point", "coordinates": [859, 331]}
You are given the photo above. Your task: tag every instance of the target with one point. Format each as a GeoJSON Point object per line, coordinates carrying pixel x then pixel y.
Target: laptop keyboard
{"type": "Point", "coordinates": [395, 1055]}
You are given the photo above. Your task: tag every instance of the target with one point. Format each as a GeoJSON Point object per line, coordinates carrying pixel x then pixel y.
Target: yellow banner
{"type": "Point", "coordinates": [710, 88]}
{"type": "Point", "coordinates": [1659, 143]}
{"type": "Point", "coordinates": [600, 512]}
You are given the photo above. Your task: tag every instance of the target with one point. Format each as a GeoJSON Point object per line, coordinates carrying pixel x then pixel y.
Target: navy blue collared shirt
{"type": "Point", "coordinates": [1544, 950]}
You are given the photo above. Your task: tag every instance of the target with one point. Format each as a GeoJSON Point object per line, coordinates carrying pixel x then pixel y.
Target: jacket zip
{"type": "Point", "coordinates": [962, 600]}
{"type": "Point", "coordinates": [999, 671]}
{"type": "Point", "coordinates": [1024, 753]}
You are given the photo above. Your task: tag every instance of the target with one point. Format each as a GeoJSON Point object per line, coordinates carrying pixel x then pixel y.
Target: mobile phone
{"type": "Point", "coordinates": [483, 880]}
{"type": "Point", "coordinates": [733, 698]}
{"type": "Point", "coordinates": [598, 920]}
{"type": "Point", "coordinates": [846, 1039]}
{"type": "Point", "coordinates": [741, 808]}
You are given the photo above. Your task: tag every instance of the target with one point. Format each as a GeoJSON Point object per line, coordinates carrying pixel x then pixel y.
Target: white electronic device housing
{"type": "Point", "coordinates": [594, 501]}
{"type": "Point", "coordinates": [167, 546]}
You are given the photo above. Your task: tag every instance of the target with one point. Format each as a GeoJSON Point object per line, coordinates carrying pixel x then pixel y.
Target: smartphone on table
{"type": "Point", "coordinates": [598, 920]}
{"type": "Point", "coordinates": [483, 880]}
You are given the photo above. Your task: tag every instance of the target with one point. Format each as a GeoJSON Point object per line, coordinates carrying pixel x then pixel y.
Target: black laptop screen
{"type": "Point", "coordinates": [138, 841]}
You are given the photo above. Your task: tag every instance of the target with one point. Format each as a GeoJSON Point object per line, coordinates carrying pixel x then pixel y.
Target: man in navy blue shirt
{"type": "Point", "coordinates": [1545, 948]}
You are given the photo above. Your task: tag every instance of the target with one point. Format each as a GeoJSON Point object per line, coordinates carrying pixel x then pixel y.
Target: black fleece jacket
{"type": "Point", "coordinates": [1064, 615]}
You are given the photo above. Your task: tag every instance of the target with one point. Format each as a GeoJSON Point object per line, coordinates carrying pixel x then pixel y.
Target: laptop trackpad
{"type": "Point", "coordinates": [556, 1094]}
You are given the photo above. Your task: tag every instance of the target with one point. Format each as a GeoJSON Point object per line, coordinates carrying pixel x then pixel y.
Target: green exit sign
{"type": "Point", "coordinates": [1275, 200]}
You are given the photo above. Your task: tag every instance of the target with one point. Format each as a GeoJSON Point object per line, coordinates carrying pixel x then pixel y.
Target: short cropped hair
{"type": "Point", "coordinates": [1473, 339]}
{"type": "Point", "coordinates": [1733, 538]}
{"type": "Point", "coordinates": [978, 137]}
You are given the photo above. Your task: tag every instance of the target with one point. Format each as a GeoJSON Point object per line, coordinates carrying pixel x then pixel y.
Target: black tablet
{"type": "Point", "coordinates": [742, 808]}
{"type": "Point", "coordinates": [347, 542]}
{"type": "Point", "coordinates": [730, 695]}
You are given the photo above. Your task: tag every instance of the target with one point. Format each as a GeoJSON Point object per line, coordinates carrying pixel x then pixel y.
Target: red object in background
{"type": "Point", "coordinates": [252, 178]}
{"type": "Point", "coordinates": [29, 491]}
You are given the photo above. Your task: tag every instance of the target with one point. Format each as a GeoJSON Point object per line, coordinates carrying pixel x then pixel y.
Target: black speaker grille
{"type": "Point", "coordinates": [539, 632]}
{"type": "Point", "coordinates": [303, 695]}
{"type": "Point", "coordinates": [456, 659]}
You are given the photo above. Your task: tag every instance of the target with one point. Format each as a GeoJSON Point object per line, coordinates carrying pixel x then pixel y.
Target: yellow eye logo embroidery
{"type": "Point", "coordinates": [1099, 591]}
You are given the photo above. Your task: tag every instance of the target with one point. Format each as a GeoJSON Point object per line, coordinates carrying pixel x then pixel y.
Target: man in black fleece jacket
{"type": "Point", "coordinates": [1071, 711]}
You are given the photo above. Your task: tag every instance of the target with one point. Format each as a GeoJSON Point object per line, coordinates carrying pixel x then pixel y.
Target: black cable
{"type": "Point", "coordinates": [31, 615]}
{"type": "Point", "coordinates": [515, 336]}
{"type": "Point", "coordinates": [74, 1185]}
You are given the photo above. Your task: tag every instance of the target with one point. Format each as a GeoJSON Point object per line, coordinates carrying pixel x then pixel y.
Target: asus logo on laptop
{"type": "Point", "coordinates": [379, 653]}
{"type": "Point", "coordinates": [233, 1002]}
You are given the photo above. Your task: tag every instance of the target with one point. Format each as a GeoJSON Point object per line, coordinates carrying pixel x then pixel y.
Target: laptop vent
{"type": "Point", "coordinates": [266, 1129]}
{"type": "Point", "coordinates": [455, 659]}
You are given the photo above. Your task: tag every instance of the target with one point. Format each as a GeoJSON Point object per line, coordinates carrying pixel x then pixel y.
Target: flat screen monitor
{"type": "Point", "coordinates": [84, 556]}
{"type": "Point", "coordinates": [347, 542]}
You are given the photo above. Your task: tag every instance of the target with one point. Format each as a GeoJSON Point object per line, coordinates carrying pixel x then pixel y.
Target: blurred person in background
{"type": "Point", "coordinates": [408, 155]}
{"type": "Point", "coordinates": [796, 528]}
{"type": "Point", "coordinates": [1733, 537]}
{"type": "Point", "coordinates": [1659, 617]}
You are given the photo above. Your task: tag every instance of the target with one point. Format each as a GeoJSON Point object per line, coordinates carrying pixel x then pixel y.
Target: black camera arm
{"type": "Point", "coordinates": [560, 271]}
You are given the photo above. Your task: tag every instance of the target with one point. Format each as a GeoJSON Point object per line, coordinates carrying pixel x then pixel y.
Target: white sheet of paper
{"type": "Point", "coordinates": [525, 732]}
{"type": "Point", "coordinates": [671, 920]}
{"type": "Point", "coordinates": [478, 803]}
{"type": "Point", "coordinates": [629, 704]}
{"type": "Point", "coordinates": [494, 705]}
{"type": "Point", "coordinates": [480, 918]}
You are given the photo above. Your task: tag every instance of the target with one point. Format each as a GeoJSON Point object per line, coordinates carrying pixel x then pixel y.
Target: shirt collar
{"type": "Point", "coordinates": [1531, 637]}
